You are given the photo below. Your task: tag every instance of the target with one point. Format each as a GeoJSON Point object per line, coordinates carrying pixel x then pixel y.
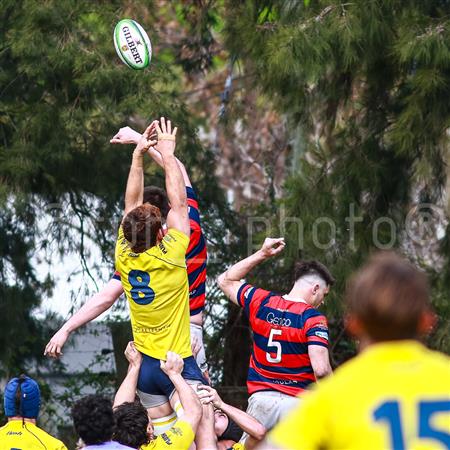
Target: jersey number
{"type": "Point", "coordinates": [141, 292]}
{"type": "Point", "coordinates": [390, 412]}
{"type": "Point", "coordinates": [275, 344]}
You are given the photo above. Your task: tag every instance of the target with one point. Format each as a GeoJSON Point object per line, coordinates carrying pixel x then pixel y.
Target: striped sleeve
{"type": "Point", "coordinates": [250, 297]}
{"type": "Point", "coordinates": [194, 213]}
{"type": "Point", "coordinates": [116, 275]}
{"type": "Point", "coordinates": [316, 328]}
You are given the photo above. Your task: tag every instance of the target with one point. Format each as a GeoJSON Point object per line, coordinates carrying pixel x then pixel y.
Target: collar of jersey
{"type": "Point", "coordinates": [296, 299]}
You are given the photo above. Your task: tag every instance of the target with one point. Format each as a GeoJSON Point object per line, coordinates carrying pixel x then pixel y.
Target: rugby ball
{"type": "Point", "coordinates": [132, 44]}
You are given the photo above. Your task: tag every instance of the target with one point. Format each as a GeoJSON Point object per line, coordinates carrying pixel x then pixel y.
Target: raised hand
{"type": "Point", "coordinates": [133, 356]}
{"type": "Point", "coordinates": [209, 395]}
{"type": "Point", "coordinates": [272, 247]}
{"type": "Point", "coordinates": [173, 365]}
{"type": "Point", "coordinates": [166, 137]}
{"type": "Point", "coordinates": [148, 138]}
{"type": "Point", "coordinates": [126, 135]}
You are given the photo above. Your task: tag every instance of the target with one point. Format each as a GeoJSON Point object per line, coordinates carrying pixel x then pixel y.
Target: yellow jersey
{"type": "Point", "coordinates": [179, 437]}
{"type": "Point", "coordinates": [156, 286]}
{"type": "Point", "coordinates": [394, 395]}
{"type": "Point", "coordinates": [18, 435]}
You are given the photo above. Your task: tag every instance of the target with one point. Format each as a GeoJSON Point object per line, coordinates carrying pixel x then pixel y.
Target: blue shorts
{"type": "Point", "coordinates": [154, 386]}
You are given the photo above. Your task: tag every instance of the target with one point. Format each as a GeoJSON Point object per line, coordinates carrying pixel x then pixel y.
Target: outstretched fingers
{"type": "Point", "coordinates": [150, 130]}
{"type": "Point", "coordinates": [163, 125]}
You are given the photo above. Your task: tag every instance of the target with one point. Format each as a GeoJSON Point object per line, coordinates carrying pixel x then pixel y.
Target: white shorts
{"type": "Point", "coordinates": [269, 407]}
{"type": "Point", "coordinates": [197, 333]}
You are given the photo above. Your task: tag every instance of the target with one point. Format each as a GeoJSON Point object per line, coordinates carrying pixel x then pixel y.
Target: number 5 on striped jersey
{"type": "Point", "coordinates": [275, 344]}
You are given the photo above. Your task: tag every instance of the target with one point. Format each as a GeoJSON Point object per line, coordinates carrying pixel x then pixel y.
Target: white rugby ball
{"type": "Point", "coordinates": [132, 44]}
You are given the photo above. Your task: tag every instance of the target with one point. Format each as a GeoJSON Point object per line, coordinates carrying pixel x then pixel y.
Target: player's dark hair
{"type": "Point", "coordinates": [157, 197]}
{"type": "Point", "coordinates": [388, 296]}
{"type": "Point", "coordinates": [303, 268]}
{"type": "Point", "coordinates": [141, 227]}
{"type": "Point", "coordinates": [93, 419]}
{"type": "Point", "coordinates": [232, 432]}
{"type": "Point", "coordinates": [18, 396]}
{"type": "Point", "coordinates": [131, 424]}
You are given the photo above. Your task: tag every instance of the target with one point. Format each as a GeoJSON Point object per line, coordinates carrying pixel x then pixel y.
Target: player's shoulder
{"type": "Point", "coordinates": [181, 431]}
{"type": "Point", "coordinates": [50, 441]}
{"type": "Point", "coordinates": [250, 292]}
{"type": "Point", "coordinates": [174, 236]}
{"type": "Point", "coordinates": [312, 317]}
{"type": "Point", "coordinates": [440, 360]}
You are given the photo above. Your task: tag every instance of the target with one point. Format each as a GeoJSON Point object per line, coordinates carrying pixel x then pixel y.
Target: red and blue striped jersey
{"type": "Point", "coordinates": [282, 331]}
{"type": "Point", "coordinates": [196, 257]}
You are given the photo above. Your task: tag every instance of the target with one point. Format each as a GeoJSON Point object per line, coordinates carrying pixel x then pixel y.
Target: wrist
{"type": "Point", "coordinates": [174, 377]}
{"type": "Point", "coordinates": [167, 156]}
{"type": "Point", "coordinates": [133, 367]}
{"type": "Point", "coordinates": [67, 329]}
{"type": "Point", "coordinates": [260, 256]}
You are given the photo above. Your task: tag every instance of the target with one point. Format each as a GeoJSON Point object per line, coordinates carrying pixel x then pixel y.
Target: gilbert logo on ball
{"type": "Point", "coordinates": [132, 44]}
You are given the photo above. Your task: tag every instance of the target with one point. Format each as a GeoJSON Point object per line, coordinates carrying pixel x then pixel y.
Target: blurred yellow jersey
{"type": "Point", "coordinates": [16, 435]}
{"type": "Point", "coordinates": [156, 285]}
{"type": "Point", "coordinates": [179, 437]}
{"type": "Point", "coordinates": [393, 395]}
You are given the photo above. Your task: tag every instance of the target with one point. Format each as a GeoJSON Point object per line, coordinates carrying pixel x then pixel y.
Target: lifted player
{"type": "Point", "coordinates": [196, 258]}
{"type": "Point", "coordinates": [396, 393]}
{"type": "Point", "coordinates": [290, 337]}
{"type": "Point", "coordinates": [153, 271]}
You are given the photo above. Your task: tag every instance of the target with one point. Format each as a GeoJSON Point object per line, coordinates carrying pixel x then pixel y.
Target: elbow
{"type": "Point", "coordinates": [104, 301]}
{"type": "Point", "coordinates": [322, 371]}
{"type": "Point", "coordinates": [222, 280]}
{"type": "Point", "coordinates": [259, 432]}
{"type": "Point", "coordinates": [107, 302]}
{"type": "Point", "coordinates": [181, 204]}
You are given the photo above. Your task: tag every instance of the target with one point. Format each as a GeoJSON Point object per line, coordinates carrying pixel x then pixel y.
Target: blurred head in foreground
{"type": "Point", "coordinates": [388, 300]}
{"type": "Point", "coordinates": [396, 392]}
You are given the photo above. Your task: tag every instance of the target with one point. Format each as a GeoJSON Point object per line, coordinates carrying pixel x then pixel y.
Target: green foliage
{"type": "Point", "coordinates": [64, 94]}
{"type": "Point", "coordinates": [365, 84]}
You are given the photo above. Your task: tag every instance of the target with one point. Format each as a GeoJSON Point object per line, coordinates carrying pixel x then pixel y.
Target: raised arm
{"type": "Point", "coordinates": [127, 390]}
{"type": "Point", "coordinates": [96, 305]}
{"type": "Point", "coordinates": [127, 135]}
{"type": "Point", "coordinates": [248, 423]}
{"type": "Point", "coordinates": [135, 184]}
{"type": "Point", "coordinates": [230, 281]}
{"type": "Point", "coordinates": [176, 190]}
{"type": "Point", "coordinates": [172, 367]}
{"type": "Point", "coordinates": [156, 156]}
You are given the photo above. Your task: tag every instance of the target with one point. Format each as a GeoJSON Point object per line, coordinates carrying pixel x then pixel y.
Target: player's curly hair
{"type": "Point", "coordinates": [141, 227]}
{"type": "Point", "coordinates": [131, 424]}
{"type": "Point", "coordinates": [157, 197]}
{"type": "Point", "coordinates": [93, 419]}
{"type": "Point", "coordinates": [303, 268]}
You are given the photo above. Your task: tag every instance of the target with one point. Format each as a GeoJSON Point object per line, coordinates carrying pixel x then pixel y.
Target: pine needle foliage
{"type": "Point", "coordinates": [366, 82]}
{"type": "Point", "coordinates": [63, 94]}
